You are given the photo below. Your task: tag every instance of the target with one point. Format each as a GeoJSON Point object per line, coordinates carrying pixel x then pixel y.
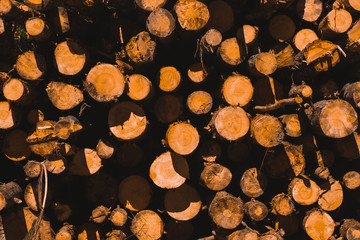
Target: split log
{"type": "Point", "coordinates": [8, 115]}
{"type": "Point", "coordinates": [199, 102]}
{"type": "Point", "coordinates": [333, 118]}
{"type": "Point", "coordinates": [66, 232]}
{"type": "Point", "coordinates": [169, 170]}
{"type": "Point", "coordinates": [281, 28]}
{"type": "Point", "coordinates": [284, 54]}
{"type": "Point", "coordinates": [179, 230]}
{"type": "Point", "coordinates": [62, 211]}
{"type": "Point", "coordinates": [15, 146]}
{"type": "Point", "coordinates": [231, 122]}
{"type": "Point", "coordinates": [197, 73]}
{"type": "Point", "coordinates": [182, 138]}
{"type": "Point", "coordinates": [55, 164]}
{"type": "Point", "coordinates": [129, 154]}
{"type": "Point", "coordinates": [37, 29]}
{"type": "Point", "coordinates": [246, 233]}
{"type": "Point", "coordinates": [30, 65]}
{"type": "Point", "coordinates": [282, 205]}
{"type": "Point", "coordinates": [226, 211]}
{"type": "Point", "coordinates": [139, 87]}
{"type": "Point", "coordinates": [116, 235]}
{"type": "Point", "coordinates": [209, 151]}
{"type": "Point", "coordinates": [32, 169]}
{"type": "Point", "coordinates": [127, 120]}
{"type": "Point", "coordinates": [64, 96]}
{"type": "Point", "coordinates": [150, 5]}
{"type": "Point", "coordinates": [169, 79]}
{"type": "Point", "coordinates": [5, 7]}
{"type": "Point", "coordinates": [34, 116]}
{"type": "Point", "coordinates": [291, 124]}
{"type": "Point", "coordinates": [141, 48]}
{"type": "Point", "coordinates": [85, 162]}
{"type": "Point", "coordinates": [318, 224]}
{"type": "Point", "coordinates": [10, 194]}
{"type": "Point", "coordinates": [309, 10]}
{"type": "Point", "coordinates": [182, 203]}
{"type": "Point", "coordinates": [168, 108]}
{"type": "Point", "coordinates": [118, 216]}
{"type": "Point", "coordinates": [262, 64]}
{"type": "Point", "coordinates": [33, 196]}
{"type": "Point", "coordinates": [353, 39]}
{"type": "Point", "coordinates": [256, 210]}
{"type": "Point", "coordinates": [105, 82]}
{"type": "Point", "coordinates": [105, 149]}
{"type": "Point", "coordinates": [215, 176]}
{"type": "Point", "coordinates": [237, 90]}
{"type": "Point", "coordinates": [147, 225]}
{"type": "Point", "coordinates": [253, 183]}
{"type": "Point", "coordinates": [351, 180]}
{"type": "Point", "coordinates": [66, 126]}
{"type": "Point", "coordinates": [304, 191]}
{"type": "Point", "coordinates": [332, 197]}
{"type": "Point", "coordinates": [221, 16]}
{"type": "Point", "coordinates": [267, 130]}
{"type": "Point", "coordinates": [335, 22]}
{"type": "Point", "coordinates": [230, 52]}
{"type": "Point", "coordinates": [135, 193]}
{"type": "Point", "coordinates": [15, 90]}
{"type": "Point", "coordinates": [191, 14]}
{"type": "Point", "coordinates": [348, 227]}
{"type": "Point", "coordinates": [99, 214]}
{"type": "Point", "coordinates": [303, 38]}
{"type": "Point", "coordinates": [351, 5]}
{"type": "Point", "coordinates": [160, 23]}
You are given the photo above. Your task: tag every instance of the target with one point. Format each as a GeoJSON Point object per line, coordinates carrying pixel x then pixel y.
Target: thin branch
{"type": "Point", "coordinates": [279, 104]}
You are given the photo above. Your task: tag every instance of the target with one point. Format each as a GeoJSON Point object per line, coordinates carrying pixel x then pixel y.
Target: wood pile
{"type": "Point", "coordinates": [179, 119]}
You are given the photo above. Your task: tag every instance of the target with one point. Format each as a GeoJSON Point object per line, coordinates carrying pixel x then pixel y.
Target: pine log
{"type": "Point", "coordinates": [221, 16]}
{"type": "Point", "coordinates": [150, 5]}
{"type": "Point", "coordinates": [66, 232]}
{"type": "Point", "coordinates": [309, 10]}
{"type": "Point", "coordinates": [318, 224]}
{"type": "Point", "coordinates": [66, 126]}
{"type": "Point", "coordinates": [160, 23]}
{"type": "Point", "coordinates": [253, 183]}
{"type": "Point", "coordinates": [34, 116]}
{"type": "Point", "coordinates": [304, 191]}
{"type": "Point", "coordinates": [182, 203]}
{"type": "Point", "coordinates": [332, 198]}
{"type": "Point", "coordinates": [197, 73]}
{"type": "Point", "coordinates": [182, 138]}
{"type": "Point", "coordinates": [237, 90]}
{"type": "Point", "coordinates": [99, 214]}
{"type": "Point", "coordinates": [226, 211]}
{"type": "Point", "coordinates": [230, 52]}
{"type": "Point", "coordinates": [147, 225]}
{"type": "Point", "coordinates": [15, 146]}
{"type": "Point", "coordinates": [5, 7]}
{"type": "Point", "coordinates": [191, 14]}
{"type": "Point", "coordinates": [350, 5]}
{"type": "Point", "coordinates": [30, 65]}
{"type": "Point", "coordinates": [10, 193]}
{"type": "Point", "coordinates": [291, 124]}
{"type": "Point", "coordinates": [333, 118]}
{"type": "Point", "coordinates": [169, 79]}
{"type": "Point", "coordinates": [303, 38]}
{"type": "Point", "coordinates": [32, 169]}
{"type": "Point", "coordinates": [139, 87]}
{"type": "Point", "coordinates": [284, 54]}
{"type": "Point", "coordinates": [118, 216]}
{"type": "Point", "coordinates": [135, 193]}
{"type": "Point", "coordinates": [351, 180]}
{"type": "Point", "coordinates": [282, 28]}
{"type": "Point", "coordinates": [105, 149]}
{"type": "Point", "coordinates": [15, 90]}
{"type": "Point", "coordinates": [348, 227]}
{"type": "Point", "coordinates": [64, 96]}
{"type": "Point", "coordinates": [168, 108]}
{"type": "Point", "coordinates": [179, 230]}
{"type": "Point", "coordinates": [210, 150]}
{"type": "Point", "coordinates": [262, 64]}
{"type": "Point", "coordinates": [130, 154]}
{"type": "Point", "coordinates": [215, 176]}
{"type": "Point", "coordinates": [105, 82]}
{"type": "Point", "coordinates": [8, 115]}
{"type": "Point", "coordinates": [37, 29]}
{"type": "Point", "coordinates": [256, 210]}
{"type": "Point", "coordinates": [85, 162]}
{"type": "Point", "coordinates": [55, 164]}
{"type": "Point", "coordinates": [353, 37]}
{"type": "Point", "coordinates": [267, 130]}
{"type": "Point", "coordinates": [199, 102]}
{"type": "Point", "coordinates": [61, 211]}
{"type": "Point", "coordinates": [127, 120]}
{"type": "Point", "coordinates": [335, 22]}
{"type": "Point", "coordinates": [246, 233]}
{"type": "Point", "coordinates": [210, 40]}
{"type": "Point", "coordinates": [282, 204]}
{"type": "Point", "coordinates": [141, 48]}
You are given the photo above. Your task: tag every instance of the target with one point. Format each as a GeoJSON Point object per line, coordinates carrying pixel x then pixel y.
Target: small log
{"type": "Point", "coordinates": [169, 79]}
{"type": "Point", "coordinates": [5, 7]}
{"type": "Point", "coordinates": [281, 28]}
{"type": "Point", "coordinates": [116, 235]}
{"type": "Point", "coordinates": [351, 180]}
{"type": "Point", "coordinates": [135, 193]}
{"type": "Point", "coordinates": [141, 48]}
{"type": "Point", "coordinates": [267, 91]}
{"type": "Point", "coordinates": [118, 216]}
{"type": "Point", "coordinates": [262, 64]}
{"type": "Point", "coordinates": [168, 108]}
{"type": "Point", "coordinates": [99, 214]}
{"type": "Point", "coordinates": [139, 87]}
{"type": "Point", "coordinates": [32, 169]}
{"type": "Point", "coordinates": [62, 211]}
{"type": "Point", "coordinates": [30, 65]}
{"type": "Point", "coordinates": [66, 126]}
{"type": "Point", "coordinates": [130, 154]}
{"type": "Point", "coordinates": [8, 115]}
{"type": "Point", "coordinates": [191, 14]}
{"type": "Point", "coordinates": [253, 183]}
{"type": "Point", "coordinates": [160, 23]}
{"type": "Point", "coordinates": [335, 22]}
{"type": "Point", "coordinates": [197, 73]}
{"type": "Point", "coordinates": [37, 5]}
{"type": "Point", "coordinates": [210, 40]}
{"type": "Point", "coordinates": [256, 210]}
{"type": "Point", "coordinates": [10, 193]}
{"type": "Point", "coordinates": [303, 90]}
{"type": "Point", "coordinates": [348, 227]}
{"type": "Point", "coordinates": [147, 225]}
{"type": "Point", "coordinates": [182, 203]}
{"type": "Point", "coordinates": [37, 29]}
{"type": "Point", "coordinates": [150, 5]}
{"type": "Point", "coordinates": [331, 199]}
{"type": "Point", "coordinates": [215, 176]}
{"type": "Point", "coordinates": [43, 148]}
{"type": "Point", "coordinates": [333, 118]}
{"type": "Point", "coordinates": [284, 55]}
{"type": "Point", "coordinates": [182, 138]}
{"type": "Point", "coordinates": [282, 205]}
{"type": "Point", "coordinates": [199, 102]}
{"type": "Point", "coordinates": [210, 151]}
{"type": "Point", "coordinates": [127, 120]}
{"type": "Point", "coordinates": [226, 211]}
{"type": "Point", "coordinates": [230, 122]}
{"type": "Point", "coordinates": [303, 38]}
{"type": "Point", "coordinates": [66, 232]}
{"type": "Point", "coordinates": [351, 93]}
{"type": "Point", "coordinates": [34, 116]}
{"type": "Point", "coordinates": [55, 164]}
{"type": "Point", "coordinates": [64, 96]}
{"type": "Point", "coordinates": [85, 162]}
{"type": "Point", "coordinates": [15, 146]}
{"type": "Point", "coordinates": [15, 90]}
{"type": "Point", "coordinates": [353, 39]}
{"type": "Point", "coordinates": [291, 124]}
{"type": "Point", "coordinates": [230, 52]}
{"type": "Point", "coordinates": [248, 35]}
{"type": "Point", "coordinates": [309, 10]}
{"type": "Point", "coordinates": [237, 90]}
{"type": "Point", "coordinates": [304, 191]}
{"type": "Point", "coordinates": [105, 149]}
{"type": "Point", "coordinates": [221, 16]}
{"type": "Point", "coordinates": [177, 170]}
{"type": "Point", "coordinates": [105, 82]}
{"type": "Point", "coordinates": [246, 233]}
{"type": "Point", "coordinates": [267, 130]}
{"type": "Point", "coordinates": [179, 230]}
{"type": "Point", "coordinates": [318, 224]}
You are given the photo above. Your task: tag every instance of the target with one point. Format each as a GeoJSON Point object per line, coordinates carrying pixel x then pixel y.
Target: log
{"type": "Point", "coordinates": [197, 73]}
{"type": "Point", "coordinates": [253, 183]}
{"type": "Point", "coordinates": [262, 64]}
{"type": "Point", "coordinates": [182, 138]}
{"type": "Point", "coordinates": [282, 204]}
{"type": "Point", "coordinates": [66, 126]}
{"type": "Point", "coordinates": [179, 230]}
{"type": "Point", "coordinates": [168, 108]}
{"type": "Point", "coordinates": [351, 93]}
{"type": "Point", "coordinates": [135, 193]}
{"type": "Point", "coordinates": [169, 79]}
{"type": "Point", "coordinates": [246, 233]}
{"type": "Point", "coordinates": [303, 38]}
{"type": "Point", "coordinates": [309, 10]}
{"type": "Point", "coordinates": [199, 102]}
{"type": "Point", "coordinates": [5, 7]}
{"type": "Point", "coordinates": [64, 96]}
{"type": "Point", "coordinates": [130, 154]}
{"type": "Point", "coordinates": [350, 5]}
{"type": "Point", "coordinates": [267, 130]}
{"type": "Point", "coordinates": [215, 176]}
{"type": "Point", "coordinates": [85, 162]}
{"type": "Point", "coordinates": [150, 5]}
{"type": "Point", "coordinates": [160, 23]}
{"type": "Point", "coordinates": [237, 90]}
{"type": "Point", "coordinates": [141, 48]}
{"type": "Point", "coordinates": [351, 180]}
{"type": "Point", "coordinates": [333, 118]}
{"type": "Point", "coordinates": [127, 120]}
{"type": "Point", "coordinates": [105, 149]}
{"type": "Point", "coordinates": [147, 225]}
{"type": "Point", "coordinates": [318, 224]}
{"type": "Point", "coordinates": [231, 123]}
{"type": "Point", "coordinates": [303, 90]}
{"type": "Point", "coordinates": [226, 211]}
{"type": "Point", "coordinates": [62, 212]}
{"type": "Point", "coordinates": [55, 164]}
{"type": "Point", "coordinates": [99, 214]}
{"type": "Point", "coordinates": [281, 28]}
{"type": "Point", "coordinates": [256, 210]}
{"type": "Point", "coordinates": [182, 203]}
{"type": "Point", "coordinates": [230, 52]}
{"type": "Point", "coordinates": [33, 196]}
{"type": "Point", "coordinates": [15, 90]}
{"type": "Point", "coordinates": [32, 169]}
{"type": "Point", "coordinates": [348, 227]}
{"type": "Point", "coordinates": [210, 150]}
{"type": "Point", "coordinates": [66, 232]}
{"type": "Point", "coordinates": [8, 115]}
{"type": "Point", "coordinates": [304, 191]}
{"type": "Point", "coordinates": [116, 235]}
{"type": "Point", "coordinates": [118, 216]}
{"type": "Point", "coordinates": [15, 146]}
{"type": "Point", "coordinates": [191, 14]}
{"type": "Point", "coordinates": [30, 65]}
{"type": "Point", "coordinates": [292, 125]}
{"type": "Point", "coordinates": [37, 29]}
{"type": "Point", "coordinates": [139, 87]}
{"type": "Point", "coordinates": [221, 16]}
{"type": "Point", "coordinates": [10, 194]}
{"type": "Point", "coordinates": [284, 54]}
{"type": "Point", "coordinates": [105, 82]}
{"type": "Point", "coordinates": [65, 149]}
{"type": "Point", "coordinates": [335, 22]}
{"type": "Point", "coordinates": [332, 198]}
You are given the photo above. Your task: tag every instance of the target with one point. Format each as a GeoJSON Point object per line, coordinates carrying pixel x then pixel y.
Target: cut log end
{"type": "Point", "coordinates": [318, 224]}
{"type": "Point", "coordinates": [292, 125]}
{"type": "Point", "coordinates": [192, 14]}
{"type": "Point", "coordinates": [309, 10]}
{"type": "Point", "coordinates": [118, 216]}
{"type": "Point", "coordinates": [70, 57]}
{"type": "Point", "coordinates": [263, 64]}
{"type": "Point", "coordinates": [37, 28]}
{"type": "Point", "coordinates": [212, 38]}
{"type": "Point", "coordinates": [351, 180]}
{"type": "Point", "coordinates": [5, 7]}
{"type": "Point", "coordinates": [147, 225]}
{"type": "Point", "coordinates": [246, 233]}
{"type": "Point", "coordinates": [337, 21]}
{"type": "Point", "coordinates": [199, 102]}
{"type": "Point", "coordinates": [30, 65]}
{"type": "Point", "coordinates": [215, 176]}
{"type": "Point", "coordinates": [256, 210]}
{"type": "Point", "coordinates": [237, 90]}
{"type": "Point", "coordinates": [282, 205]}
{"type": "Point", "coordinates": [281, 28]}
{"type": "Point", "coordinates": [322, 55]}
{"type": "Point", "coordinates": [196, 73]}
{"type": "Point", "coordinates": [230, 52]}
{"type": "Point", "coordinates": [169, 79]}
{"type": "Point", "coordinates": [160, 23]}
{"type": "Point", "coordinates": [85, 162]}
{"type": "Point", "coordinates": [64, 96]}
{"type": "Point", "coordinates": [253, 183]}
{"type": "Point", "coordinates": [14, 89]}
{"type": "Point", "coordinates": [99, 214]}
{"type": "Point", "coordinates": [139, 87]}
{"type": "Point", "coordinates": [182, 138]}
{"type": "Point", "coordinates": [303, 37]}
{"type": "Point", "coordinates": [247, 33]}
{"type": "Point", "coordinates": [332, 198]}
{"type": "Point", "coordinates": [304, 191]}
{"type": "Point", "coordinates": [32, 169]}
{"type": "Point", "coordinates": [141, 48]}
{"type": "Point", "coordinates": [267, 130]}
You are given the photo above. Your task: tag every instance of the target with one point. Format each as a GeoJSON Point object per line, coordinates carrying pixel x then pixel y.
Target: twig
{"type": "Point", "coordinates": [279, 104]}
